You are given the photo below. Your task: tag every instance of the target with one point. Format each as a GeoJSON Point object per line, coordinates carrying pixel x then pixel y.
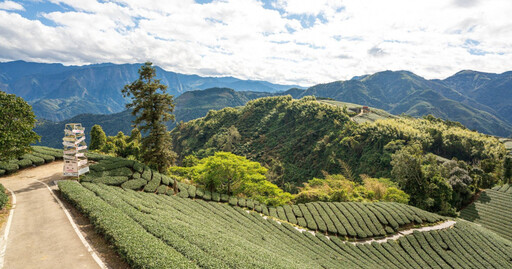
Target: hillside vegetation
{"type": "Point", "coordinates": [297, 139]}
{"type": "Point", "coordinates": [493, 210]}
{"type": "Point", "coordinates": [348, 220]}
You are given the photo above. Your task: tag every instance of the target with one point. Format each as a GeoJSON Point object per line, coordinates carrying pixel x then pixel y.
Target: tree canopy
{"type": "Point", "coordinates": [98, 138]}
{"type": "Point", "coordinates": [230, 174]}
{"type": "Point", "coordinates": [16, 123]}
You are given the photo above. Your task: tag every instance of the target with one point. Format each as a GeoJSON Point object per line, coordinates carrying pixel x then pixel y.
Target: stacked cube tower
{"type": "Point", "coordinates": [75, 161]}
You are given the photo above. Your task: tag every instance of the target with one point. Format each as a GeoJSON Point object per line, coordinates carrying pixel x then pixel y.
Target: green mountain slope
{"type": "Point", "coordinates": [154, 231]}
{"type": "Point", "coordinates": [492, 210]}
{"type": "Point", "coordinates": [298, 139]}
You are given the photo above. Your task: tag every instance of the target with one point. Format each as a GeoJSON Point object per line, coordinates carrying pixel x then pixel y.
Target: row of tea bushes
{"type": "Point", "coordinates": [38, 156]}
{"type": "Point", "coordinates": [492, 210]}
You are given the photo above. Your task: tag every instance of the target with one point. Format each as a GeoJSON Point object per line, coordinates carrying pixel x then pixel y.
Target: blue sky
{"type": "Point", "coordinates": [283, 41]}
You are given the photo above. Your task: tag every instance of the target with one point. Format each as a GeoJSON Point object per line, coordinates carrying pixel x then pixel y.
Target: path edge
{"type": "Point", "coordinates": [91, 251]}
{"type": "Point", "coordinates": [3, 240]}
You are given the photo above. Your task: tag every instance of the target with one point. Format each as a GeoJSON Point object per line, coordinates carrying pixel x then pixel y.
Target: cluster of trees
{"type": "Point", "coordinates": [227, 173]}
{"type": "Point", "coordinates": [287, 136]}
{"type": "Point", "coordinates": [119, 145]}
{"type": "Point", "coordinates": [337, 188]}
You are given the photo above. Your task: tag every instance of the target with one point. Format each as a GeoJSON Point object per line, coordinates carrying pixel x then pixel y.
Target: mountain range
{"type": "Point", "coordinates": [190, 105]}
{"type": "Point", "coordinates": [480, 101]}
{"type": "Point", "coordinates": [57, 92]}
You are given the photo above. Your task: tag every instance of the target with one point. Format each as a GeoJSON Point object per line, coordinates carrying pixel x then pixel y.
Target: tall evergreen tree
{"type": "Point", "coordinates": [98, 138]}
{"type": "Point", "coordinates": [152, 107]}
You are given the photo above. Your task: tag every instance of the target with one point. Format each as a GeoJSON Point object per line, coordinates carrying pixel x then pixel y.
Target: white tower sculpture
{"type": "Point", "coordinates": [75, 161]}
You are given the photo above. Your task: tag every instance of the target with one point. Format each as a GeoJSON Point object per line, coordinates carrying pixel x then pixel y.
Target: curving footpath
{"type": "Point", "coordinates": [40, 233]}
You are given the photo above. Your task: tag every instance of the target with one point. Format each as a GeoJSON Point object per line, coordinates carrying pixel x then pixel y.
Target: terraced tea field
{"type": "Point", "coordinates": [493, 210]}
{"type": "Point", "coordinates": [350, 220]}
{"type": "Point", "coordinates": [161, 231]}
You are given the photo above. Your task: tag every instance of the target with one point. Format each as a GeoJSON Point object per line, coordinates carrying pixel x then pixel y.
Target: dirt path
{"type": "Point", "coordinates": [444, 225]}
{"type": "Point", "coordinates": [41, 234]}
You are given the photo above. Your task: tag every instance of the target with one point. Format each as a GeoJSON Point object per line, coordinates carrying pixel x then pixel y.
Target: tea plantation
{"type": "Point", "coordinates": [198, 229]}
{"type": "Point", "coordinates": [351, 220]}
{"type": "Point", "coordinates": [161, 231]}
{"type": "Point", "coordinates": [38, 156]}
{"type": "Point", "coordinates": [493, 210]}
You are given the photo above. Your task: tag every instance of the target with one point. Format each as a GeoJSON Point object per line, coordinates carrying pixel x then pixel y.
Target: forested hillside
{"type": "Point", "coordinates": [301, 139]}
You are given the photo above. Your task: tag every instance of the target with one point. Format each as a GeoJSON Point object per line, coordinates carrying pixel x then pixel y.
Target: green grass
{"type": "Point", "coordinates": [161, 231]}
{"type": "Point", "coordinates": [492, 210]}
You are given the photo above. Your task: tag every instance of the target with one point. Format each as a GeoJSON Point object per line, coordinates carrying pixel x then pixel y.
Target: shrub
{"type": "Point", "coordinates": [134, 184]}
{"type": "Point", "coordinates": [162, 189]}
{"type": "Point", "coordinates": [116, 181]}
{"type": "Point", "coordinates": [153, 184]}
{"type": "Point", "coordinates": [199, 193]}
{"type": "Point", "coordinates": [233, 201]}
{"type": "Point", "coordinates": [3, 197]}
{"type": "Point", "coordinates": [146, 174]}
{"type": "Point", "coordinates": [9, 167]}
{"type": "Point", "coordinates": [47, 158]}
{"type": "Point", "coordinates": [192, 191]}
{"type": "Point", "coordinates": [34, 159]}
{"type": "Point", "coordinates": [166, 180]}
{"type": "Point", "coordinates": [207, 196]}
{"type": "Point", "coordinates": [183, 193]}
{"type": "Point", "coordinates": [215, 196]}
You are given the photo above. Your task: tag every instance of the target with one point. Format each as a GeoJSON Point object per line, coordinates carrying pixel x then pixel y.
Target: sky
{"type": "Point", "coordinates": [300, 42]}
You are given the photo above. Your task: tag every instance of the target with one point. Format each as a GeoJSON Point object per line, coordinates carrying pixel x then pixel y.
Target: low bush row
{"type": "Point", "coordinates": [38, 156]}
{"type": "Point", "coordinates": [138, 247]}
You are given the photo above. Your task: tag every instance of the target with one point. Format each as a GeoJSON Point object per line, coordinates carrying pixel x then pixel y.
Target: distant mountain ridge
{"type": "Point", "coordinates": [190, 105]}
{"type": "Point", "coordinates": [480, 101]}
{"type": "Point", "coordinates": [58, 92]}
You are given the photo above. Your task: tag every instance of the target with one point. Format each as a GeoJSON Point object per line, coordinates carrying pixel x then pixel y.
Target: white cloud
{"type": "Point", "coordinates": [244, 39]}
{"type": "Point", "coordinates": [10, 5]}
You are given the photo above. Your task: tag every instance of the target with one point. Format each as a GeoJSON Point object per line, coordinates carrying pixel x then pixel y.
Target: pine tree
{"type": "Point", "coordinates": [98, 138]}
{"type": "Point", "coordinates": [152, 107]}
